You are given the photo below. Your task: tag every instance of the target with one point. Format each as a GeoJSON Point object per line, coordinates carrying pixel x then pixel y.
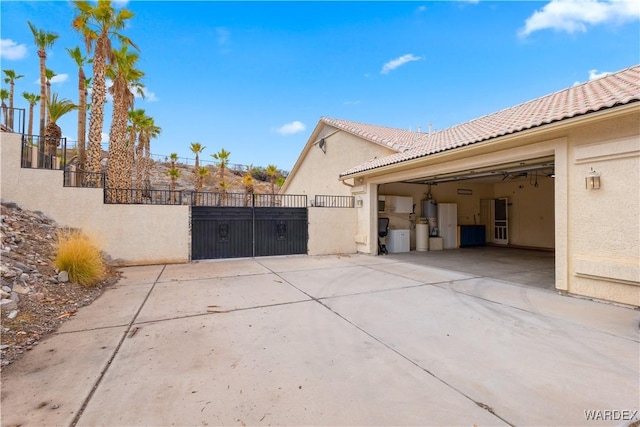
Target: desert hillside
{"type": "Point", "coordinates": [160, 179]}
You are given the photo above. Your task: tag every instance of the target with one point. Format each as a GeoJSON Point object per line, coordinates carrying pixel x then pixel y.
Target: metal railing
{"type": "Point", "coordinates": [40, 154]}
{"type": "Point", "coordinates": [248, 200]}
{"type": "Point", "coordinates": [334, 201]}
{"type": "Point", "coordinates": [12, 120]}
{"type": "Point", "coordinates": [132, 196]}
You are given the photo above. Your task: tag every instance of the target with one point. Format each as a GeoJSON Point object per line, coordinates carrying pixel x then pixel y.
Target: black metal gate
{"type": "Point", "coordinates": [269, 225]}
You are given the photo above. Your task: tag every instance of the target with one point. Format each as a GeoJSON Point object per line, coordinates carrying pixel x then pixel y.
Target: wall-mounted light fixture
{"type": "Point", "coordinates": [323, 145]}
{"type": "Point", "coordinates": [592, 180]}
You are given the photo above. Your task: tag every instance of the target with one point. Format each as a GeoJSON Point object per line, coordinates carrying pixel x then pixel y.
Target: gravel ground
{"type": "Point", "coordinates": [36, 300]}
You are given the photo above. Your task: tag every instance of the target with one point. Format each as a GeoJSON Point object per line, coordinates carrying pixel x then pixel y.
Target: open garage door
{"type": "Point", "coordinates": [509, 206]}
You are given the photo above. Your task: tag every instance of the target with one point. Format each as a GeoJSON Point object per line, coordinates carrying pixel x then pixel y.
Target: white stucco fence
{"type": "Point", "coordinates": [138, 234]}
{"type": "Point", "coordinates": [331, 231]}
{"type": "Point", "coordinates": [128, 234]}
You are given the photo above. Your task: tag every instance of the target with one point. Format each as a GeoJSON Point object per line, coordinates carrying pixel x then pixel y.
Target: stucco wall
{"type": "Point", "coordinates": [129, 234]}
{"type": "Point", "coordinates": [317, 172]}
{"type": "Point", "coordinates": [332, 231]}
{"type": "Point", "coordinates": [604, 226]}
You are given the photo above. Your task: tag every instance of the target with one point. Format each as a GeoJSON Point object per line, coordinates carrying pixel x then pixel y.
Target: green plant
{"type": "Point", "coordinates": [79, 256]}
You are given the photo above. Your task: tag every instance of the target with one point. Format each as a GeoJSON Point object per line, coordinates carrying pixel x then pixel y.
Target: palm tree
{"type": "Point", "coordinates": [247, 182]}
{"type": "Point", "coordinates": [44, 40]}
{"type": "Point", "coordinates": [81, 61]}
{"type": "Point", "coordinates": [120, 165]}
{"type": "Point", "coordinates": [203, 172]}
{"type": "Point", "coordinates": [272, 171]}
{"type": "Point", "coordinates": [53, 133]}
{"type": "Point", "coordinates": [4, 95]}
{"type": "Point", "coordinates": [11, 79]}
{"type": "Point", "coordinates": [197, 148]}
{"type": "Point", "coordinates": [174, 173]}
{"type": "Point", "coordinates": [174, 159]}
{"type": "Point", "coordinates": [148, 130]}
{"type": "Point", "coordinates": [49, 75]}
{"type": "Point", "coordinates": [32, 99]}
{"type": "Point", "coordinates": [98, 24]}
{"type": "Point", "coordinates": [223, 160]}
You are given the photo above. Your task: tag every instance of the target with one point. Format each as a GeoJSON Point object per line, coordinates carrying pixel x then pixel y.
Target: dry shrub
{"type": "Point", "coordinates": [79, 256]}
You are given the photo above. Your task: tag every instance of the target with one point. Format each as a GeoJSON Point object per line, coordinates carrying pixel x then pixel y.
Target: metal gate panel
{"type": "Point", "coordinates": [221, 232]}
{"type": "Point", "coordinates": [280, 231]}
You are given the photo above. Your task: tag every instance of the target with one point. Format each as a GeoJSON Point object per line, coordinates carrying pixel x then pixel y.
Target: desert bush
{"type": "Point", "coordinates": [79, 256]}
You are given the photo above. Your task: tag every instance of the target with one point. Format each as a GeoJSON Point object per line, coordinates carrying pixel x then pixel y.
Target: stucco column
{"type": "Point", "coordinates": [367, 226]}
{"type": "Point", "coordinates": [561, 192]}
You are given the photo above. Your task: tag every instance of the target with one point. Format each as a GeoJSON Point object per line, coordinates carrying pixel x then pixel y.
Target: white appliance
{"type": "Point", "coordinates": [448, 224]}
{"type": "Point", "coordinates": [398, 241]}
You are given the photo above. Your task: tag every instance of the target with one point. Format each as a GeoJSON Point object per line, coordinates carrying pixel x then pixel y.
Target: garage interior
{"type": "Point", "coordinates": [497, 221]}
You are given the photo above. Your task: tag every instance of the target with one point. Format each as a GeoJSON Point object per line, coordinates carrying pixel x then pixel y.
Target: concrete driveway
{"type": "Point", "coordinates": [336, 340]}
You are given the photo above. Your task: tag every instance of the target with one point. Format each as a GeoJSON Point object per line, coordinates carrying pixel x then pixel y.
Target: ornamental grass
{"type": "Point", "coordinates": [80, 257]}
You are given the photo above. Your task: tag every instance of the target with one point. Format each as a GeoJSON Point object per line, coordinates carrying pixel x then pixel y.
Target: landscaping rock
{"type": "Point", "coordinates": [31, 298]}
{"type": "Point", "coordinates": [63, 277]}
{"type": "Point", "coordinates": [8, 305]}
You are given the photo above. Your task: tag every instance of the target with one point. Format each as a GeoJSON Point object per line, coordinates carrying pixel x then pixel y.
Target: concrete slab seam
{"type": "Point", "coordinates": [479, 404]}
{"type": "Point", "coordinates": [86, 401]}
{"type": "Point", "coordinates": [482, 405]}
{"type": "Point", "coordinates": [90, 329]}
{"type": "Point", "coordinates": [212, 277]}
{"type": "Point", "coordinates": [210, 313]}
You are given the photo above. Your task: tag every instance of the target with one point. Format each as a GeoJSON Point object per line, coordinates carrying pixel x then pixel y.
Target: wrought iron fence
{"type": "Point", "coordinates": [334, 201]}
{"type": "Point", "coordinates": [133, 196]}
{"type": "Point", "coordinates": [248, 199]}
{"type": "Point", "coordinates": [12, 119]}
{"type": "Point", "coordinates": [75, 178]}
{"type": "Point", "coordinates": [41, 153]}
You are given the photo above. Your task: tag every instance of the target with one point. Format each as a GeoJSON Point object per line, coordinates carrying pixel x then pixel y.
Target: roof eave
{"type": "Point", "coordinates": [541, 129]}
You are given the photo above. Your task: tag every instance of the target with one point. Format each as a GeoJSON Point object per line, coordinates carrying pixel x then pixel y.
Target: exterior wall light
{"type": "Point", "coordinates": [593, 180]}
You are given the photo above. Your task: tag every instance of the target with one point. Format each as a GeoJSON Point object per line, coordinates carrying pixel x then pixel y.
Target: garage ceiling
{"type": "Point", "coordinates": [522, 169]}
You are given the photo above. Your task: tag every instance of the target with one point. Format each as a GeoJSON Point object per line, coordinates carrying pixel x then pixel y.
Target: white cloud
{"type": "Point", "coordinates": [105, 137]}
{"type": "Point", "coordinates": [594, 74]}
{"type": "Point", "coordinates": [57, 79]}
{"type": "Point", "coordinates": [120, 3]}
{"type": "Point", "coordinates": [351, 102]}
{"type": "Point", "coordinates": [148, 95]}
{"type": "Point", "coordinates": [11, 50]}
{"type": "Point", "coordinates": [223, 35]}
{"type": "Point", "coordinates": [398, 62]}
{"type": "Point", "coordinates": [290, 128]}
{"type": "Point", "coordinates": [421, 9]}
{"type": "Point", "coordinates": [575, 15]}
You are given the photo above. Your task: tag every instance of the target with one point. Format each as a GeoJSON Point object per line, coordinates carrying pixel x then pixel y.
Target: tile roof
{"type": "Point", "coordinates": [609, 91]}
{"type": "Point", "coordinates": [398, 140]}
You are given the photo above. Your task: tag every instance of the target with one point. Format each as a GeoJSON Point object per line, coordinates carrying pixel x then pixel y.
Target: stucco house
{"type": "Point", "coordinates": [558, 173]}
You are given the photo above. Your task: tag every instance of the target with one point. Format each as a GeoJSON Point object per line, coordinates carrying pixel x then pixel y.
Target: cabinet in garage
{"type": "Point", "coordinates": [472, 235]}
{"type": "Point", "coordinates": [448, 224]}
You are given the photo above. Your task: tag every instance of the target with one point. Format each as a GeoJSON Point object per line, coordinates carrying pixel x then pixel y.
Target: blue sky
{"type": "Point", "coordinates": [255, 77]}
